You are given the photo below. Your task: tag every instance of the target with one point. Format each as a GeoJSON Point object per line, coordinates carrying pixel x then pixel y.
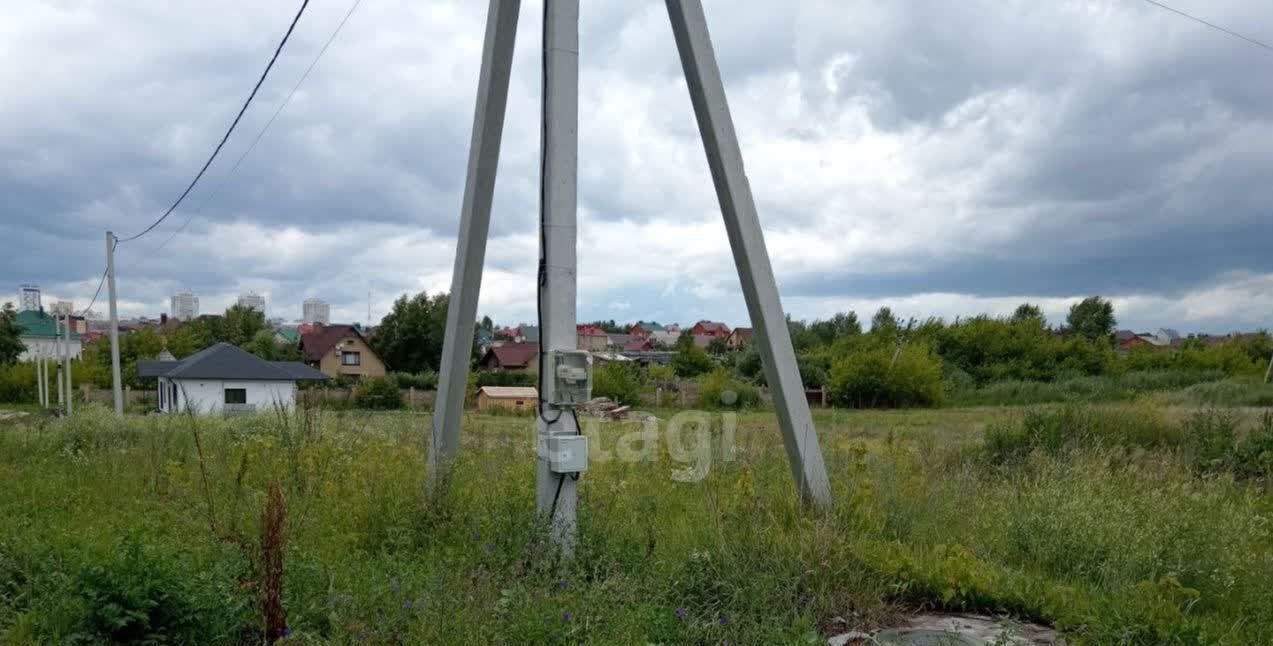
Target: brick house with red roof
{"type": "Point", "coordinates": [340, 351]}
{"type": "Point", "coordinates": [512, 357]}
{"type": "Point", "coordinates": [710, 328]}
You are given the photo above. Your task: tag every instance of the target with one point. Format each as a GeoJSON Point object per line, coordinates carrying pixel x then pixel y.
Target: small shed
{"type": "Point", "coordinates": [515, 398]}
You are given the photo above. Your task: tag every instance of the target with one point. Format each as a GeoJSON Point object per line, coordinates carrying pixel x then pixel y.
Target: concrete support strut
{"type": "Point", "coordinates": [475, 221]}
{"type": "Point", "coordinates": [66, 366]}
{"type": "Point", "coordinates": [556, 494]}
{"type": "Point", "coordinates": [114, 324]}
{"type": "Point", "coordinates": [724, 157]}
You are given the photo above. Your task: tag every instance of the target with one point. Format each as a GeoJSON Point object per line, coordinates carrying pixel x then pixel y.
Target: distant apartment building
{"type": "Point", "coordinates": [252, 301]}
{"type": "Point", "coordinates": [29, 298]}
{"type": "Point", "coordinates": [316, 310]}
{"type": "Point", "coordinates": [62, 308]}
{"type": "Point", "coordinates": [185, 306]}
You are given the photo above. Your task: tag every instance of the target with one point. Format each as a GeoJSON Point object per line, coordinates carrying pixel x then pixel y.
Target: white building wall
{"type": "Point", "coordinates": [207, 396]}
{"type": "Point", "coordinates": [39, 346]}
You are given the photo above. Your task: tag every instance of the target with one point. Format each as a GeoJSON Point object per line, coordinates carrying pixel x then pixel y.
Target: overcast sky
{"type": "Point", "coordinates": [941, 158]}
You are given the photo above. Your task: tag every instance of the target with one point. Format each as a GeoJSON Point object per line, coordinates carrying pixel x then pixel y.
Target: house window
{"type": "Point", "coordinates": [236, 395]}
{"type": "Point", "coordinates": [351, 359]}
{"type": "Point", "coordinates": [173, 402]}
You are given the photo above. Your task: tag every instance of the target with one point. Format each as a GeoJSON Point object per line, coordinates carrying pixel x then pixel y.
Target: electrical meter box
{"type": "Point", "coordinates": [571, 371]}
{"type": "Point", "coordinates": [567, 453]}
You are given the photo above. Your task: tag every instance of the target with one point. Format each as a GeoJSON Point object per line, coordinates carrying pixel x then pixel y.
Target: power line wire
{"type": "Point", "coordinates": [102, 281]}
{"type": "Point", "coordinates": [1212, 25]}
{"type": "Point", "coordinates": [237, 118]}
{"type": "Point", "coordinates": [226, 179]}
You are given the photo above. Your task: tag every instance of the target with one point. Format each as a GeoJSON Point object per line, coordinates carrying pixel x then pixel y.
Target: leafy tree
{"type": "Point", "coordinates": [884, 322]}
{"type": "Point", "coordinates": [879, 377]}
{"type": "Point", "coordinates": [618, 380]}
{"type": "Point", "coordinates": [1027, 312]}
{"type": "Point", "coordinates": [717, 346]}
{"type": "Point", "coordinates": [610, 327]}
{"type": "Point", "coordinates": [266, 347]}
{"type": "Point", "coordinates": [192, 337]}
{"type": "Point", "coordinates": [10, 335]}
{"type": "Point", "coordinates": [239, 325]}
{"type": "Point", "coordinates": [1092, 318]}
{"type": "Point", "coordinates": [487, 324]}
{"type": "Point", "coordinates": [839, 326]}
{"type": "Point", "coordinates": [749, 364]}
{"type": "Point", "coordinates": [690, 361]}
{"type": "Point", "coordinates": [409, 339]}
{"type": "Point", "coordinates": [684, 342]}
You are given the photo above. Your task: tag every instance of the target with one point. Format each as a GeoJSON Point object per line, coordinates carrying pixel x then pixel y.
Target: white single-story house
{"type": "Point", "coordinates": [226, 379]}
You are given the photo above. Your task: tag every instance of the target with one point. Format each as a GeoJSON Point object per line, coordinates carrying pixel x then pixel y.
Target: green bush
{"type": "Point", "coordinates": [872, 378]}
{"type": "Point", "coordinates": [718, 389]}
{"type": "Point", "coordinates": [691, 361]}
{"type": "Point", "coordinates": [501, 378]}
{"type": "Point", "coordinates": [618, 380]}
{"type": "Point", "coordinates": [1254, 456]}
{"type": "Point", "coordinates": [378, 393]}
{"type": "Point", "coordinates": [17, 383]}
{"type": "Point", "coordinates": [427, 380]}
{"type": "Point", "coordinates": [145, 596]}
{"type": "Point", "coordinates": [1211, 440]}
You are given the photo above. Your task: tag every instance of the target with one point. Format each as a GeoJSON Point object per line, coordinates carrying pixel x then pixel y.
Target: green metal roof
{"type": "Point", "coordinates": [40, 325]}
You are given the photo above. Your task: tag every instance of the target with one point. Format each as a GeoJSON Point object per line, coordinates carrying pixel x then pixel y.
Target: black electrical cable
{"type": "Point", "coordinates": [542, 271]}
{"type": "Point", "coordinates": [552, 511]}
{"type": "Point", "coordinates": [225, 180]}
{"type": "Point", "coordinates": [226, 137]}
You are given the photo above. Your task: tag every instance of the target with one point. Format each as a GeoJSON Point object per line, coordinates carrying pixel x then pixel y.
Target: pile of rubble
{"type": "Point", "coordinates": [605, 408]}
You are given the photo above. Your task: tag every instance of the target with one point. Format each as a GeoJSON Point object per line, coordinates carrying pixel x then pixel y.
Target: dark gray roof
{"type": "Point", "coordinates": [153, 368]}
{"type": "Point", "coordinates": [228, 361]}
{"type": "Point", "coordinates": [301, 371]}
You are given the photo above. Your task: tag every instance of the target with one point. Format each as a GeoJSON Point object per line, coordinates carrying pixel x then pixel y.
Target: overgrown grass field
{"type": "Point", "coordinates": [1118, 524]}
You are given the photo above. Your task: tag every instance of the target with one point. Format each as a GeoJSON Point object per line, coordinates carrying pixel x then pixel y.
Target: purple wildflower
{"type": "Point", "coordinates": [563, 584]}
{"type": "Point", "coordinates": [681, 613]}
{"type": "Point", "coordinates": [565, 616]}
{"type": "Point", "coordinates": [287, 632]}
{"type": "Point", "coordinates": [724, 619]}
{"type": "Point", "coordinates": [476, 537]}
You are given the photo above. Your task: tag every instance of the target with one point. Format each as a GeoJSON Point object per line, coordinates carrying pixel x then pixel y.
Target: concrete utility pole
{"type": "Point", "coordinates": [57, 359]}
{"type": "Point", "coordinates": [66, 359]}
{"type": "Point", "coordinates": [725, 158]}
{"type": "Point", "coordinates": [39, 379]}
{"type": "Point", "coordinates": [475, 222]}
{"type": "Point", "coordinates": [114, 323]}
{"type": "Point", "coordinates": [555, 493]}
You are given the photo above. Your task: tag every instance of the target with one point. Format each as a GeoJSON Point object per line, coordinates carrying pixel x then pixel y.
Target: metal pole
{"type": "Point", "coordinates": [475, 220]}
{"type": "Point", "coordinates": [556, 494]}
{"type": "Point", "coordinates": [39, 383]}
{"type": "Point", "coordinates": [724, 157]}
{"type": "Point", "coordinates": [70, 388]}
{"type": "Point", "coordinates": [57, 359]}
{"type": "Point", "coordinates": [114, 323]}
